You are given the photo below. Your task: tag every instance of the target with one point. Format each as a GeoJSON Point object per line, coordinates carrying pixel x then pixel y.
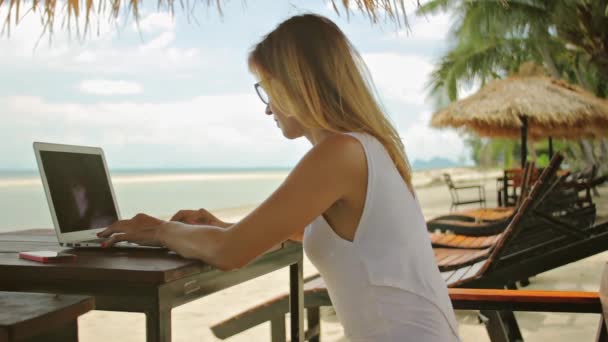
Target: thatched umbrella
{"type": "Point", "coordinates": [528, 106]}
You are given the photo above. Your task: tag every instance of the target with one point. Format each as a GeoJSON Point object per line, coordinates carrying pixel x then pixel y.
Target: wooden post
{"type": "Point", "coordinates": [524, 140]}
{"type": "Point", "coordinates": [296, 301]}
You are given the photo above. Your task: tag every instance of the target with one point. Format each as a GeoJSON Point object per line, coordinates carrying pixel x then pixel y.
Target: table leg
{"type": "Point", "coordinates": [505, 191]}
{"type": "Point", "coordinates": [158, 326]}
{"type": "Point", "coordinates": [65, 333]}
{"type": "Point", "coordinates": [602, 333]}
{"type": "Point", "coordinates": [296, 301]}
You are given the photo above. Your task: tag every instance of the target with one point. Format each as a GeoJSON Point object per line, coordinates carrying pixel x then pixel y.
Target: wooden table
{"type": "Point", "coordinates": [138, 280]}
{"type": "Point", "coordinates": [41, 317]}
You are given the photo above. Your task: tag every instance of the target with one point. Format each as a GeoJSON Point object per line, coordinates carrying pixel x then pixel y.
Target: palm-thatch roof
{"type": "Point", "coordinates": [48, 10]}
{"type": "Point", "coordinates": [553, 108]}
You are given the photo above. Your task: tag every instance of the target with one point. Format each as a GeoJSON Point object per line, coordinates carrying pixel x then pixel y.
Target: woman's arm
{"type": "Point", "coordinates": [199, 217]}
{"type": "Point", "coordinates": [205, 243]}
{"type": "Point", "coordinates": [323, 176]}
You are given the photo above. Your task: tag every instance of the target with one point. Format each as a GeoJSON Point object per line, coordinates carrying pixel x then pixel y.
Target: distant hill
{"type": "Point", "coordinates": [434, 163]}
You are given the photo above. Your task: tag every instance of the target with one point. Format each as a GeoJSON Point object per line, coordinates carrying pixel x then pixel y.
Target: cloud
{"type": "Point", "coordinates": [212, 130]}
{"type": "Point", "coordinates": [30, 37]}
{"type": "Point", "coordinates": [423, 29]}
{"type": "Point", "coordinates": [424, 142]}
{"type": "Point", "coordinates": [207, 131]}
{"type": "Point", "coordinates": [223, 130]}
{"type": "Point", "coordinates": [401, 80]}
{"type": "Point", "coordinates": [162, 41]}
{"type": "Point", "coordinates": [156, 22]}
{"type": "Point", "coordinates": [109, 87]}
{"type": "Point", "coordinates": [107, 48]}
{"type": "Point", "coordinates": [398, 76]}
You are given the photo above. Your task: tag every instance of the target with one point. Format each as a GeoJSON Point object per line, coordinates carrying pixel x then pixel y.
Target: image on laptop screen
{"type": "Point", "coordinates": [79, 190]}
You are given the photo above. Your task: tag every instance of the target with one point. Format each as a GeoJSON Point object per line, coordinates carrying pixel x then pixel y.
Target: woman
{"type": "Point", "coordinates": [351, 195]}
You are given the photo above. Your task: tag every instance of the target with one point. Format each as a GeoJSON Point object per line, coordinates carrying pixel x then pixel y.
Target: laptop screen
{"type": "Point", "coordinates": [79, 189]}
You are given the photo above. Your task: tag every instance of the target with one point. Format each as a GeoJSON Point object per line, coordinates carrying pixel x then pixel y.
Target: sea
{"type": "Point", "coordinates": [160, 193]}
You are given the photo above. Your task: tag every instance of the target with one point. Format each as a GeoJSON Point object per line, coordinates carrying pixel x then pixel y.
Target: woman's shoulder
{"type": "Point", "coordinates": [345, 146]}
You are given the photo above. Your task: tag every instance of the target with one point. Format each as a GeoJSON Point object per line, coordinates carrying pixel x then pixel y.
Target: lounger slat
{"type": "Point", "coordinates": [522, 300]}
{"type": "Point", "coordinates": [447, 275]}
{"type": "Point", "coordinates": [480, 241]}
{"type": "Point", "coordinates": [441, 253]}
{"type": "Point", "coordinates": [440, 239]}
{"type": "Point", "coordinates": [488, 241]}
{"type": "Point", "coordinates": [466, 258]}
{"type": "Point", "coordinates": [499, 295]}
{"type": "Point", "coordinates": [471, 272]}
{"type": "Point", "coordinates": [469, 241]}
{"type": "Point", "coordinates": [449, 258]}
{"type": "Point", "coordinates": [459, 273]}
{"type": "Point", "coordinates": [444, 239]}
{"type": "Point", "coordinates": [459, 259]}
{"type": "Point", "coordinates": [448, 240]}
{"type": "Point", "coordinates": [459, 239]}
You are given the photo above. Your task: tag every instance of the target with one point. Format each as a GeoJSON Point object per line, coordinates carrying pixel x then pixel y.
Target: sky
{"type": "Point", "coordinates": [175, 91]}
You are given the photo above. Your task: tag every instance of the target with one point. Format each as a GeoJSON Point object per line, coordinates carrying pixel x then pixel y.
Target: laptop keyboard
{"type": "Point", "coordinates": [117, 244]}
{"type": "Point", "coordinates": [95, 240]}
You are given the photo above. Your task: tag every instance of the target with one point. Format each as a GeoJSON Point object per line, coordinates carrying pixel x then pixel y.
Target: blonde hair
{"type": "Point", "coordinates": [312, 71]}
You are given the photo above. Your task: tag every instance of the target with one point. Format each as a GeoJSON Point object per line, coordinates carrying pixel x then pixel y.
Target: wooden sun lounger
{"type": "Point", "coordinates": [530, 245]}
{"type": "Point", "coordinates": [484, 221]}
{"type": "Point", "coordinates": [490, 302]}
{"type": "Point", "coordinates": [563, 203]}
{"type": "Point", "coordinates": [568, 211]}
{"type": "Point", "coordinates": [491, 214]}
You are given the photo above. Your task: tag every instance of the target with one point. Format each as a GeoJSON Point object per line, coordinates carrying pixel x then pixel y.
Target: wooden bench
{"type": "Point", "coordinates": [489, 301]}
{"type": "Point", "coordinates": [42, 317]}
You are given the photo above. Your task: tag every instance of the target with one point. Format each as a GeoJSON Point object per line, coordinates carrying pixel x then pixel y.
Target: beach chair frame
{"type": "Point", "coordinates": [478, 224]}
{"type": "Point", "coordinates": [454, 193]}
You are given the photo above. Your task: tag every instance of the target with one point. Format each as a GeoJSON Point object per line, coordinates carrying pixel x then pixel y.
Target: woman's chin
{"type": "Point", "coordinates": [291, 135]}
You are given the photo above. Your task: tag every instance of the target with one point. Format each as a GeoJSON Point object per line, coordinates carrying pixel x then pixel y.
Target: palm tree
{"type": "Point", "coordinates": [585, 31]}
{"type": "Point", "coordinates": [492, 39]}
{"type": "Point", "coordinates": [581, 24]}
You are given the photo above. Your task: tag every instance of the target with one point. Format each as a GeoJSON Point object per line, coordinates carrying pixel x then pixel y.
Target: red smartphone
{"type": "Point", "coordinates": [47, 256]}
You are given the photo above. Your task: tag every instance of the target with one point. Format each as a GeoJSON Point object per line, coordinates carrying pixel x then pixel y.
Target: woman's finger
{"type": "Point", "coordinates": [114, 239]}
{"type": "Point", "coordinates": [176, 216]}
{"type": "Point", "coordinates": [181, 215]}
{"type": "Point", "coordinates": [191, 220]}
{"type": "Point", "coordinates": [115, 227]}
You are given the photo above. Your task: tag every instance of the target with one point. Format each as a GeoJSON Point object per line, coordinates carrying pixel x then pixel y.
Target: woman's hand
{"type": "Point", "coordinates": [200, 216]}
{"type": "Point", "coordinates": [141, 229]}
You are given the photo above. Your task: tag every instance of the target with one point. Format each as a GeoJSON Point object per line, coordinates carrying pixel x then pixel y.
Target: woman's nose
{"type": "Point", "coordinates": [268, 110]}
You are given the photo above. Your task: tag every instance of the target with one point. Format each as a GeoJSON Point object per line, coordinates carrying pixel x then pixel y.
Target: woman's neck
{"type": "Point", "coordinates": [315, 136]}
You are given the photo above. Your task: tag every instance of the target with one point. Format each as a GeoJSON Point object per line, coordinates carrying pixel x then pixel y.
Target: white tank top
{"type": "Point", "coordinates": [385, 284]}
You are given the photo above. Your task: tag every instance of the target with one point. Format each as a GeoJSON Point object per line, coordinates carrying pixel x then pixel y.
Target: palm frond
{"type": "Point", "coordinates": [484, 60]}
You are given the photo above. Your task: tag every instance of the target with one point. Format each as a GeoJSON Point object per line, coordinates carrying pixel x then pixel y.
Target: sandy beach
{"type": "Point", "coordinates": [191, 322]}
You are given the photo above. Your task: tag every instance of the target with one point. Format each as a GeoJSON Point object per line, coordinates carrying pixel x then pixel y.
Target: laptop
{"type": "Point", "coordinates": [79, 193]}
